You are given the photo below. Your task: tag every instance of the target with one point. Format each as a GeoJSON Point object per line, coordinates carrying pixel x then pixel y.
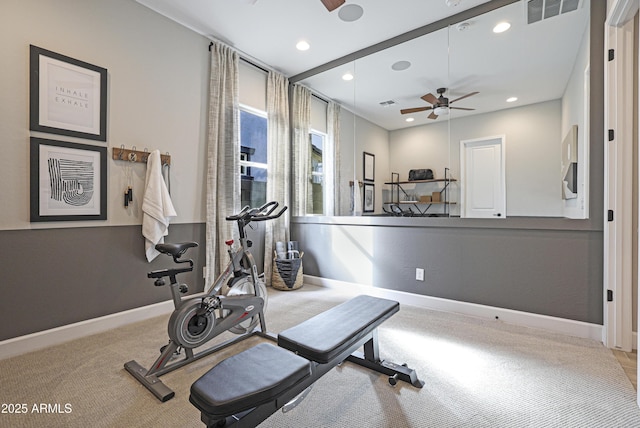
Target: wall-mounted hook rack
{"type": "Point", "coordinates": [132, 155]}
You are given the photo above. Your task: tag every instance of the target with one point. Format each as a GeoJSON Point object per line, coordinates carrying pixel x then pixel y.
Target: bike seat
{"type": "Point", "coordinates": [176, 250]}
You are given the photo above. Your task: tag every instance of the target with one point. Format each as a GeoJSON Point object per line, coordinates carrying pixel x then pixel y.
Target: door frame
{"type": "Point", "coordinates": [618, 176]}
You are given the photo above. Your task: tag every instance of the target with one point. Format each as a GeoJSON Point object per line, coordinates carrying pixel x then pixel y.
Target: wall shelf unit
{"type": "Point", "coordinates": [405, 193]}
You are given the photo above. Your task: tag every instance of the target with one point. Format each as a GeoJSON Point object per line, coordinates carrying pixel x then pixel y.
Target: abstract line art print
{"type": "Point", "coordinates": [71, 181]}
{"type": "Point", "coordinates": [68, 181]}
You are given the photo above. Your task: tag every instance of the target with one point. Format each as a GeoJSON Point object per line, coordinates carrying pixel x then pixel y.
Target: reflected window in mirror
{"type": "Point", "coordinates": [253, 156]}
{"type": "Point", "coordinates": [317, 144]}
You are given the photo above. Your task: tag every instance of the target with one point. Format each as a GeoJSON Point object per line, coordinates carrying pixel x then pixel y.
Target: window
{"type": "Point", "coordinates": [253, 156]}
{"type": "Point", "coordinates": [317, 187]}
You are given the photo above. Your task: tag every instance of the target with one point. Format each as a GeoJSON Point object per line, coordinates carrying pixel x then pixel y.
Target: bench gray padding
{"type": "Point", "coordinates": [328, 334]}
{"type": "Point", "coordinates": [248, 379]}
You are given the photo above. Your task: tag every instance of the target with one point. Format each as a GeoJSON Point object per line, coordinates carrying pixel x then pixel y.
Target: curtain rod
{"type": "Point", "coordinates": [319, 97]}
{"type": "Point", "coordinates": [247, 60]}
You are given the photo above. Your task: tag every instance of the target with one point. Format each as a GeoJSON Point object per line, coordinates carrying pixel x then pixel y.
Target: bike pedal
{"type": "Point", "coordinates": [175, 354]}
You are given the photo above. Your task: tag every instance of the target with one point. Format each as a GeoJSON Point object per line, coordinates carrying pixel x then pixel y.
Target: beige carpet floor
{"type": "Point", "coordinates": [478, 373]}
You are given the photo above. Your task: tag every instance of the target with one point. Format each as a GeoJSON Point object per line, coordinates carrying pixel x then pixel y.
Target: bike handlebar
{"type": "Point", "coordinates": [258, 214]}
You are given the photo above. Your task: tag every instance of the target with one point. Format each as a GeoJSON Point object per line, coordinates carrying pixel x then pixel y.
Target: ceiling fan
{"type": "Point", "coordinates": [332, 5]}
{"type": "Point", "coordinates": [441, 104]}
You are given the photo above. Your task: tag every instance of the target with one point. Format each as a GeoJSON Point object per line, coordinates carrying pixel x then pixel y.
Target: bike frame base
{"type": "Point", "coordinates": [151, 382]}
{"type": "Point", "coordinates": [149, 378]}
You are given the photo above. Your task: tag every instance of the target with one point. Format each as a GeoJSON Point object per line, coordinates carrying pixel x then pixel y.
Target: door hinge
{"type": "Point", "coordinates": [611, 54]}
{"type": "Point", "coordinates": [612, 134]}
{"type": "Point", "coordinates": [610, 215]}
{"type": "Point", "coordinates": [609, 295]}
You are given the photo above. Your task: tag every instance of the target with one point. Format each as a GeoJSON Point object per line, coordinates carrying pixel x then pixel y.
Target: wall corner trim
{"type": "Point", "coordinates": [56, 336]}
{"type": "Point", "coordinates": [526, 319]}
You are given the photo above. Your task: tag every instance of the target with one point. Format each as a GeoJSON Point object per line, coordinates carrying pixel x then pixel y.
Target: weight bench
{"type": "Point", "coordinates": [245, 389]}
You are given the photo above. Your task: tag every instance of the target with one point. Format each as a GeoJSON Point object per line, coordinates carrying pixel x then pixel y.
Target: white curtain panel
{"type": "Point", "coordinates": [223, 156]}
{"type": "Point", "coordinates": [333, 159]}
{"type": "Point", "coordinates": [278, 164]}
{"type": "Point", "coordinates": [301, 203]}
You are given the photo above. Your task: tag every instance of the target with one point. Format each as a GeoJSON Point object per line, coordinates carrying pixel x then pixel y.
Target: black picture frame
{"type": "Point", "coordinates": [368, 197]}
{"type": "Point", "coordinates": [68, 181]}
{"type": "Point", "coordinates": [67, 96]}
{"type": "Point", "coordinates": [368, 166]}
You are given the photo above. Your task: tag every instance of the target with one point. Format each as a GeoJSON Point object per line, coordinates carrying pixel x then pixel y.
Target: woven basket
{"type": "Point", "coordinates": [287, 274]}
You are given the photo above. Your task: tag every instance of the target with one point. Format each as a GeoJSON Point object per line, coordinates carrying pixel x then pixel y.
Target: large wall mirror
{"type": "Point", "coordinates": [515, 131]}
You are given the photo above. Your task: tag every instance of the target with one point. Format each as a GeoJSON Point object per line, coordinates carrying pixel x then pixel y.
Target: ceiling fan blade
{"type": "Point", "coordinates": [332, 5]}
{"type": "Point", "coordinates": [433, 116]}
{"type": "Point", "coordinates": [463, 97]}
{"type": "Point", "coordinates": [414, 110]}
{"type": "Point", "coordinates": [430, 98]}
{"type": "Point", "coordinates": [461, 108]}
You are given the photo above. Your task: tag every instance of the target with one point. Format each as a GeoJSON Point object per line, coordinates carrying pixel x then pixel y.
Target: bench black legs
{"type": "Point", "coordinates": [371, 360]}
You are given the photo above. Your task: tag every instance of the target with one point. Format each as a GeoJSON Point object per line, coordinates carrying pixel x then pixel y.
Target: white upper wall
{"type": "Point", "coordinates": [157, 98]}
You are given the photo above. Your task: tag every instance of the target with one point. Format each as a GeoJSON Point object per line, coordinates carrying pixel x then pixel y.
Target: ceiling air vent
{"type": "Point", "coordinates": [537, 10]}
{"type": "Point", "coordinates": [387, 103]}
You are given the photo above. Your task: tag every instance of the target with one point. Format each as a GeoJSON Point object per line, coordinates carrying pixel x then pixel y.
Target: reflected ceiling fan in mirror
{"type": "Point", "coordinates": [440, 105]}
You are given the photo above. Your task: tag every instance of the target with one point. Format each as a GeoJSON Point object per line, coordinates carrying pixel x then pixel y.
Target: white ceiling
{"type": "Point", "coordinates": [532, 62]}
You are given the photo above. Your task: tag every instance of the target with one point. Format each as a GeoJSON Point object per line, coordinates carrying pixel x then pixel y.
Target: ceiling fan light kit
{"type": "Point", "coordinates": [441, 111]}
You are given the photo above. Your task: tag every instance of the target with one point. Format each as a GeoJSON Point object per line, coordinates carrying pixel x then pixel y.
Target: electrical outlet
{"type": "Point", "coordinates": [419, 274]}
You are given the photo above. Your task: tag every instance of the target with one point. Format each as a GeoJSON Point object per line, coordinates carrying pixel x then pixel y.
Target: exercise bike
{"type": "Point", "coordinates": [235, 302]}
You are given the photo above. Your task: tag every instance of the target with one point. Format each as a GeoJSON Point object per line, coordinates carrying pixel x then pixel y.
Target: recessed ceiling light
{"type": "Point", "coordinates": [512, 99]}
{"type": "Point", "coordinates": [501, 27]}
{"type": "Point", "coordinates": [302, 45]}
{"type": "Point", "coordinates": [409, 119]}
{"type": "Point", "coordinates": [350, 12]}
{"type": "Point", "coordinates": [347, 76]}
{"type": "Point", "coordinates": [452, 3]}
{"type": "Point", "coordinates": [463, 26]}
{"type": "Point", "coordinates": [401, 65]}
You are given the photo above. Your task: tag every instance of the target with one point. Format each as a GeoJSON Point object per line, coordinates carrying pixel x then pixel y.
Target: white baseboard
{"type": "Point", "coordinates": [55, 336]}
{"type": "Point", "coordinates": [527, 319]}
{"type": "Point", "coordinates": [33, 342]}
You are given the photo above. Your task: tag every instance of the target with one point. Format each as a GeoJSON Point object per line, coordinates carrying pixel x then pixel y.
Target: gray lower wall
{"type": "Point", "coordinates": [54, 277]}
{"type": "Point", "coordinates": [544, 271]}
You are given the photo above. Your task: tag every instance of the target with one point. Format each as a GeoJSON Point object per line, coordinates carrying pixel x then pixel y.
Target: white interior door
{"type": "Point", "coordinates": [483, 187]}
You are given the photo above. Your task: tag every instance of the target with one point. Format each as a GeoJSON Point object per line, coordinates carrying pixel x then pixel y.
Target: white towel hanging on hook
{"type": "Point", "coordinates": [157, 208]}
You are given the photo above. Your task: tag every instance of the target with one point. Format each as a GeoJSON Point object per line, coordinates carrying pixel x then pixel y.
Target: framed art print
{"type": "Point", "coordinates": [368, 198]}
{"type": "Point", "coordinates": [68, 96]}
{"type": "Point", "coordinates": [68, 181]}
{"type": "Point", "coordinates": [368, 166]}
